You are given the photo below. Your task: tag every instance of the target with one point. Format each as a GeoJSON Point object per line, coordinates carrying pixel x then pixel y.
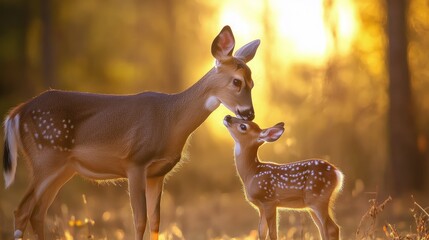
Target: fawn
{"type": "Point", "coordinates": [308, 185]}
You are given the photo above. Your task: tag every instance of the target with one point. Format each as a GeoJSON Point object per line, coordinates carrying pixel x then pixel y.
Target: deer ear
{"type": "Point", "coordinates": [271, 134]}
{"type": "Point", "coordinates": [223, 44]}
{"type": "Point", "coordinates": [248, 51]}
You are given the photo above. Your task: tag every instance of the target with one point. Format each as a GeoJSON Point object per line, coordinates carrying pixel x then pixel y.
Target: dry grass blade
{"type": "Point", "coordinates": [421, 218]}
{"type": "Point", "coordinates": [372, 213]}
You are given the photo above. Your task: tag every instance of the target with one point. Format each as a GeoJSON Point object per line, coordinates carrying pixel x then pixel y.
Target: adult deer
{"type": "Point", "coordinates": [139, 137]}
{"type": "Point", "coordinates": [309, 185]}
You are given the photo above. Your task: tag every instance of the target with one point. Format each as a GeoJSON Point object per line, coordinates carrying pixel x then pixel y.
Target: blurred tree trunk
{"type": "Point", "coordinates": [48, 67]}
{"type": "Point", "coordinates": [405, 159]}
{"type": "Point", "coordinates": [14, 81]}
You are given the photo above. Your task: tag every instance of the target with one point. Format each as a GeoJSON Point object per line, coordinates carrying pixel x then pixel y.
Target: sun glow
{"type": "Point", "coordinates": [243, 17]}
{"type": "Point", "coordinates": [301, 29]}
{"type": "Point", "coordinates": [291, 31]}
{"type": "Point", "coordinates": [300, 25]}
{"type": "Point", "coordinates": [306, 27]}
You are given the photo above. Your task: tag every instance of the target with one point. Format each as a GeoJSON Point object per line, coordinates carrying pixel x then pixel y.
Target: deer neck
{"type": "Point", "coordinates": [246, 161]}
{"type": "Point", "coordinates": [190, 108]}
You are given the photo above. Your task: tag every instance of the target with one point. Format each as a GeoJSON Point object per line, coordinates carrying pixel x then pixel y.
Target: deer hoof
{"type": "Point", "coordinates": [18, 234]}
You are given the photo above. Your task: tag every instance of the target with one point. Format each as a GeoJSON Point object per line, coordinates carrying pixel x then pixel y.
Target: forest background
{"type": "Point", "coordinates": [349, 79]}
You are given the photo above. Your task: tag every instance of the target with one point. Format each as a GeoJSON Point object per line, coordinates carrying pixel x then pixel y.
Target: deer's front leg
{"type": "Point", "coordinates": [154, 188]}
{"type": "Point", "coordinates": [271, 215]}
{"type": "Point", "coordinates": [137, 189]}
{"type": "Point", "coordinates": [263, 225]}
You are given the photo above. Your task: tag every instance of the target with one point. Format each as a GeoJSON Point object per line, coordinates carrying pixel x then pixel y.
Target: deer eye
{"type": "Point", "coordinates": [236, 83]}
{"type": "Point", "coordinates": [243, 127]}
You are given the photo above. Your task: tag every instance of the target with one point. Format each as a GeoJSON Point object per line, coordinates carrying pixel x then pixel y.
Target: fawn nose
{"type": "Point", "coordinates": [227, 121]}
{"type": "Point", "coordinates": [247, 114]}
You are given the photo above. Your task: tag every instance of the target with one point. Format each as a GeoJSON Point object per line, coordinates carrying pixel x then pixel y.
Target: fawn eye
{"type": "Point", "coordinates": [236, 83]}
{"type": "Point", "coordinates": [243, 127]}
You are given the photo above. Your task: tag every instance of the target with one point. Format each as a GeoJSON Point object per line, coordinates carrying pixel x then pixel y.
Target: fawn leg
{"type": "Point", "coordinates": [271, 216]}
{"type": "Point", "coordinates": [263, 225]}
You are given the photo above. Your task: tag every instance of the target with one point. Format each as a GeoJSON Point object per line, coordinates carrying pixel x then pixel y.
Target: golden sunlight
{"type": "Point", "coordinates": [298, 31]}
{"type": "Point", "coordinates": [302, 27]}
{"type": "Point", "coordinates": [305, 26]}
{"type": "Point", "coordinates": [300, 24]}
{"type": "Point", "coordinates": [244, 17]}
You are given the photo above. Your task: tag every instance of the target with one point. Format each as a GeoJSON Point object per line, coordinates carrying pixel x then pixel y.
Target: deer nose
{"type": "Point", "coordinates": [228, 118]}
{"type": "Point", "coordinates": [247, 114]}
{"type": "Point", "coordinates": [227, 121]}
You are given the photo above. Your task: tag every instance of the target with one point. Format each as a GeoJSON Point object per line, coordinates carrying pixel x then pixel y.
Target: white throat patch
{"type": "Point", "coordinates": [212, 103]}
{"type": "Point", "coordinates": [237, 149]}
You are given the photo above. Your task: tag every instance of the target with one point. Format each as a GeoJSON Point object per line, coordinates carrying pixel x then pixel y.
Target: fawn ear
{"type": "Point", "coordinates": [272, 134]}
{"type": "Point", "coordinates": [223, 44]}
{"type": "Point", "coordinates": [248, 51]}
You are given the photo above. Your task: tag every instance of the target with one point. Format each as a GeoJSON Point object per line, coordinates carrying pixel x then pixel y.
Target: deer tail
{"type": "Point", "coordinates": [10, 154]}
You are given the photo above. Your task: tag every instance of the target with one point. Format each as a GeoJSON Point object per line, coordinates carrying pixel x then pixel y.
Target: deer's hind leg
{"type": "Point", "coordinates": [49, 173]}
{"type": "Point", "coordinates": [329, 230]}
{"type": "Point", "coordinates": [45, 195]}
{"type": "Point", "coordinates": [24, 211]}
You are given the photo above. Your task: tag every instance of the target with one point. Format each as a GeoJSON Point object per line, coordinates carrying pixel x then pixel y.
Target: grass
{"type": "Point", "coordinates": [228, 216]}
{"type": "Point", "coordinates": [368, 226]}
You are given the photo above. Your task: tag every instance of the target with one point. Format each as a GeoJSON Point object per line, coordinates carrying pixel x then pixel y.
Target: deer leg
{"type": "Point", "coordinates": [23, 213]}
{"type": "Point", "coordinates": [271, 216]}
{"type": "Point", "coordinates": [154, 188]}
{"type": "Point", "coordinates": [137, 186]}
{"type": "Point", "coordinates": [332, 229]}
{"type": "Point", "coordinates": [329, 230]}
{"type": "Point", "coordinates": [263, 225]}
{"type": "Point", "coordinates": [319, 224]}
{"type": "Point", "coordinates": [45, 194]}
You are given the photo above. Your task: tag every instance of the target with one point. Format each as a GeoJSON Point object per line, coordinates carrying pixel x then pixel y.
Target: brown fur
{"type": "Point", "coordinates": [309, 185]}
{"type": "Point", "coordinates": [102, 137]}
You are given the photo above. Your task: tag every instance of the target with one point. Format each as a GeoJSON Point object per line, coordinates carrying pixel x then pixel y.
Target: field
{"type": "Point", "coordinates": [348, 78]}
{"type": "Point", "coordinates": [97, 211]}
{"type": "Point", "coordinates": [203, 199]}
